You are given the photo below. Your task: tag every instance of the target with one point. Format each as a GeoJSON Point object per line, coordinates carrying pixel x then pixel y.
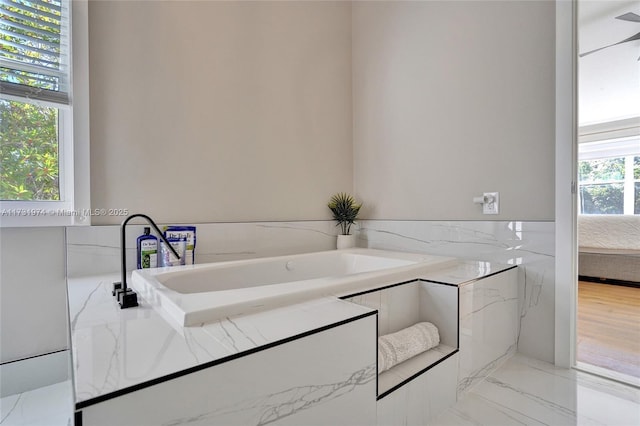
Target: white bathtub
{"type": "Point", "coordinates": [198, 294]}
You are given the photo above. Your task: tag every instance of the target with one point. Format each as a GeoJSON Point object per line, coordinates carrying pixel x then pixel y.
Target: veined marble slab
{"type": "Point", "coordinates": [488, 327]}
{"type": "Point", "coordinates": [530, 245]}
{"type": "Point", "coordinates": [324, 379]}
{"type": "Point", "coordinates": [95, 250]}
{"type": "Point", "coordinates": [465, 272]}
{"type": "Point", "coordinates": [115, 349]}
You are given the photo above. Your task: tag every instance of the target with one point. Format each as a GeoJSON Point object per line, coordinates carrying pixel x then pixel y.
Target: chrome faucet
{"type": "Point", "coordinates": [127, 298]}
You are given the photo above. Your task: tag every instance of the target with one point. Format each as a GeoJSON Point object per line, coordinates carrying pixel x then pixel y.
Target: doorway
{"type": "Point", "coordinates": [607, 293]}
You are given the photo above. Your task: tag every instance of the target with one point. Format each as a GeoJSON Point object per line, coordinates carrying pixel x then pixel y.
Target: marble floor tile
{"type": "Point", "coordinates": [46, 406]}
{"type": "Point", "coordinates": [521, 392]}
{"type": "Point", "coordinates": [529, 392]}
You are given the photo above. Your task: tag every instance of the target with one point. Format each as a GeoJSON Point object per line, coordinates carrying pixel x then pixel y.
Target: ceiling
{"type": "Point", "coordinates": [609, 80]}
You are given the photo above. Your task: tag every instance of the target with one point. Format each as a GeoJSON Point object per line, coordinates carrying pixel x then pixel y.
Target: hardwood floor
{"type": "Point", "coordinates": [609, 327]}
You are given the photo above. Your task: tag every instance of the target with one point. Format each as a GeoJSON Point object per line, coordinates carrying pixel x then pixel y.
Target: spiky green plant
{"type": "Point", "coordinates": [345, 210]}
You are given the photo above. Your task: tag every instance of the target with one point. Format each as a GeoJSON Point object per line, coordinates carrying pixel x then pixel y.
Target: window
{"type": "Point", "coordinates": [609, 176]}
{"type": "Point", "coordinates": [40, 132]}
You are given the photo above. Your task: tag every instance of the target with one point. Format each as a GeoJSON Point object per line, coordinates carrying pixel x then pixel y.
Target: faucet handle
{"type": "Point", "coordinates": [117, 288]}
{"type": "Point", "coordinates": [126, 298]}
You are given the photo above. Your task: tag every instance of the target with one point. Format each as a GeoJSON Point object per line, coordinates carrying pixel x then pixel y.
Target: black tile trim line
{"type": "Point", "coordinates": [428, 367]}
{"type": "Point", "coordinates": [458, 321]}
{"type": "Point", "coordinates": [360, 293]}
{"type": "Point", "coordinates": [34, 356]}
{"type": "Point", "coordinates": [471, 280]}
{"type": "Point", "coordinates": [419, 373]}
{"type": "Point", "coordinates": [611, 281]}
{"type": "Point", "coordinates": [77, 417]}
{"type": "Point", "coordinates": [196, 368]}
{"type": "Point", "coordinates": [377, 366]}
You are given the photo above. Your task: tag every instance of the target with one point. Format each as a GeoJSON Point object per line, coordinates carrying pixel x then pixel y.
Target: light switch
{"type": "Point", "coordinates": [491, 203]}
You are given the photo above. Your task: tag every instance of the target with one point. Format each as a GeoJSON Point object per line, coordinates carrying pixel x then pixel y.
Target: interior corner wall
{"type": "Point", "coordinates": [220, 111]}
{"type": "Point", "coordinates": [450, 100]}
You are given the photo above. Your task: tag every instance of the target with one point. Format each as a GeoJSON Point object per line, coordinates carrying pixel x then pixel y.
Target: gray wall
{"type": "Point", "coordinates": [220, 111]}
{"type": "Point", "coordinates": [450, 100]}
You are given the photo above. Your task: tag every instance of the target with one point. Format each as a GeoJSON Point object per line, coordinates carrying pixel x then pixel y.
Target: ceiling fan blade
{"type": "Point", "coordinates": [595, 50]}
{"type": "Point", "coordinates": [632, 38]}
{"type": "Point", "coordinates": [630, 16]}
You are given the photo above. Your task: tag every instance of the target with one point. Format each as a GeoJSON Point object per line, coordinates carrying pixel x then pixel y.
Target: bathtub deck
{"type": "Point", "coordinates": [115, 350]}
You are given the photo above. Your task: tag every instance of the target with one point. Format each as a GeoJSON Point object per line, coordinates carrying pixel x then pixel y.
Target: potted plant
{"type": "Point", "coordinates": [345, 211]}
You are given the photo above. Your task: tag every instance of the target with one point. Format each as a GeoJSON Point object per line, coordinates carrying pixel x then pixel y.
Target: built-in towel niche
{"type": "Point", "coordinates": [403, 305]}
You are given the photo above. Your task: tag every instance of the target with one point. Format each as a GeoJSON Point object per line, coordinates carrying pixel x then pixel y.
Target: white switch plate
{"type": "Point", "coordinates": [491, 203]}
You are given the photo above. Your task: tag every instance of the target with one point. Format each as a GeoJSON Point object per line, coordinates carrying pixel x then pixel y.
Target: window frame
{"type": "Point", "coordinates": [73, 208]}
{"type": "Point", "coordinates": [623, 136]}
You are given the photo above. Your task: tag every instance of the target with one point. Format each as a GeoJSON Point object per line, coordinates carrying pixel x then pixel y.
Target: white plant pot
{"type": "Point", "coordinates": [346, 241]}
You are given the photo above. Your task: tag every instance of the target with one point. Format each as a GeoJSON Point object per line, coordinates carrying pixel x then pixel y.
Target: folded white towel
{"type": "Point", "coordinates": [400, 346]}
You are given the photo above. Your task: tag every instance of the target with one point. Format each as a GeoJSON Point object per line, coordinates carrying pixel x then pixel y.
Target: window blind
{"type": "Point", "coordinates": [34, 49]}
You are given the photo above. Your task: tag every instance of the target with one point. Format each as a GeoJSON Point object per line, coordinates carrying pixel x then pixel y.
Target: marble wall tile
{"type": "Point", "coordinates": [488, 327]}
{"type": "Point", "coordinates": [439, 305]}
{"type": "Point", "coordinates": [530, 245]}
{"type": "Point", "coordinates": [441, 390]}
{"type": "Point", "coordinates": [392, 409]}
{"type": "Point", "coordinates": [403, 309]}
{"type": "Point", "coordinates": [95, 250]}
{"type": "Point", "coordinates": [421, 400]}
{"type": "Point", "coordinates": [404, 305]}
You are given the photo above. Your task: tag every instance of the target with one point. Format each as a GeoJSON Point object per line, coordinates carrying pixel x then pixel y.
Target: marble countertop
{"type": "Point", "coordinates": [116, 349]}
{"type": "Point", "coordinates": [464, 272]}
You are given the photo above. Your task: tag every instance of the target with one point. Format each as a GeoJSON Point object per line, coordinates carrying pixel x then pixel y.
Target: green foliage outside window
{"type": "Point", "coordinates": [28, 152]}
{"type": "Point", "coordinates": [29, 163]}
{"type": "Point", "coordinates": [602, 170]}
{"type": "Point", "coordinates": [602, 199]}
{"type": "Point", "coordinates": [601, 187]}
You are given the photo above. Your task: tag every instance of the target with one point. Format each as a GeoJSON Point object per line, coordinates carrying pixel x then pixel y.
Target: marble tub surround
{"type": "Point", "coordinates": [404, 305]}
{"type": "Point", "coordinates": [126, 359]}
{"type": "Point", "coordinates": [462, 272]}
{"type": "Point", "coordinates": [324, 378]}
{"type": "Point", "coordinates": [487, 312]}
{"type": "Point", "coordinates": [474, 304]}
{"type": "Point", "coordinates": [488, 326]}
{"type": "Point", "coordinates": [422, 400]}
{"type": "Point", "coordinates": [530, 245]}
{"type": "Point", "coordinates": [114, 350]}
{"type": "Point", "coordinates": [94, 250]}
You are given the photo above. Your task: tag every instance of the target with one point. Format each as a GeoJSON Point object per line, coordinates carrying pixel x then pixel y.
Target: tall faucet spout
{"type": "Point", "coordinates": [127, 298]}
